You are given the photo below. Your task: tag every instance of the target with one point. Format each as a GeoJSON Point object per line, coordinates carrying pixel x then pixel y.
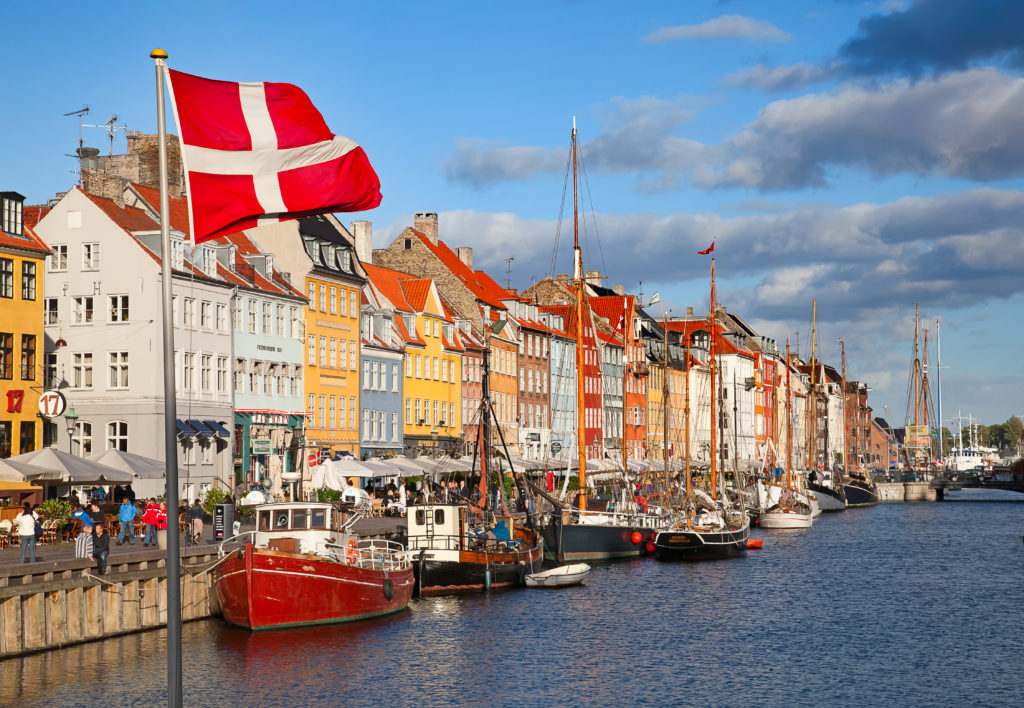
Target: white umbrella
{"type": "Point", "coordinates": [403, 466]}
{"type": "Point", "coordinates": [11, 471]}
{"type": "Point", "coordinates": [76, 470]}
{"type": "Point", "coordinates": [141, 467]}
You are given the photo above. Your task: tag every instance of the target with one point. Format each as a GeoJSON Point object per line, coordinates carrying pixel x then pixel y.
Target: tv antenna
{"type": "Point", "coordinates": [111, 125]}
{"type": "Point", "coordinates": [508, 272]}
{"type": "Point", "coordinates": [80, 112]}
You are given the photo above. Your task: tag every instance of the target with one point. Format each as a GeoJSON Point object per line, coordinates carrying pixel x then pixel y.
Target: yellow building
{"type": "Point", "coordinates": [332, 277]}
{"type": "Point", "coordinates": [432, 385]}
{"type": "Point", "coordinates": [22, 254]}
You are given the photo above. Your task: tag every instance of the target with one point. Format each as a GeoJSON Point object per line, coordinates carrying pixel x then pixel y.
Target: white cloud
{"type": "Point", "coordinates": [724, 27]}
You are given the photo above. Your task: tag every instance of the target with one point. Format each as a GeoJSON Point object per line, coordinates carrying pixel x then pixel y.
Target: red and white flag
{"type": "Point", "coordinates": [707, 250]}
{"type": "Point", "coordinates": [258, 152]}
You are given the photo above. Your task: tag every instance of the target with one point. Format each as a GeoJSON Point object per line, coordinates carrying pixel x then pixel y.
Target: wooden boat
{"type": "Point", "coordinates": [450, 556]}
{"type": "Point", "coordinates": [560, 577]}
{"type": "Point", "coordinates": [303, 566]}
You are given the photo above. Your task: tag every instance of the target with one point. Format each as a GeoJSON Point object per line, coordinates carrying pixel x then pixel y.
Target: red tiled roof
{"type": "Point", "coordinates": [128, 218]}
{"type": "Point", "coordinates": [460, 270]}
{"type": "Point", "coordinates": [32, 213]}
{"type": "Point", "coordinates": [28, 241]}
{"type": "Point", "coordinates": [178, 207]}
{"type": "Point", "coordinates": [389, 283]}
{"type": "Point", "coordinates": [416, 291]}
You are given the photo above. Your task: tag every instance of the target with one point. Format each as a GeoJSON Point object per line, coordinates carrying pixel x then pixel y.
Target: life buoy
{"type": "Point", "coordinates": [352, 554]}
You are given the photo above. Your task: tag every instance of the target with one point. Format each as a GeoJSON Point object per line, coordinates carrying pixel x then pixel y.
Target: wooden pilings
{"type": "Point", "coordinates": [46, 606]}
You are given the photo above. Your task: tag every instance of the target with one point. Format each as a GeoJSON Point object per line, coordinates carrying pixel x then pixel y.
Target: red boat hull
{"type": "Point", "coordinates": [266, 589]}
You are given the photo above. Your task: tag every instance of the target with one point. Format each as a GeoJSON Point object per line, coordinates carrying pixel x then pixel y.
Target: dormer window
{"type": "Point", "coordinates": [177, 254]}
{"type": "Point", "coordinates": [344, 259]}
{"type": "Point", "coordinates": [209, 261]}
{"type": "Point", "coordinates": [11, 204]}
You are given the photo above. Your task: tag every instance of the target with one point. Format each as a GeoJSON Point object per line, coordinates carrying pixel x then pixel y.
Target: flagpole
{"type": "Point", "coordinates": [170, 411]}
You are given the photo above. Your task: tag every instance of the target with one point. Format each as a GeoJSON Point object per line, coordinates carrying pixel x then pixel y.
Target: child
{"type": "Point", "coordinates": [83, 542]}
{"type": "Point", "coordinates": [149, 519]}
{"type": "Point", "coordinates": [100, 550]}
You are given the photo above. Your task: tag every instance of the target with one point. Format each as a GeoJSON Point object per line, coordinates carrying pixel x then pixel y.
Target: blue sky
{"type": "Point", "coordinates": [866, 154]}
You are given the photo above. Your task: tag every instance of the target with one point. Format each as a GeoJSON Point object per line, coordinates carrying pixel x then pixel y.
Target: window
{"type": "Point", "coordinates": [50, 371]}
{"type": "Point", "coordinates": [366, 424]}
{"type": "Point", "coordinates": [352, 357]}
{"type": "Point", "coordinates": [188, 371]}
{"type": "Point", "coordinates": [419, 367]}
{"type": "Point", "coordinates": [189, 313]}
{"type": "Point", "coordinates": [333, 354]}
{"type": "Point", "coordinates": [323, 298]}
{"type": "Point", "coordinates": [6, 278]}
{"type": "Point", "coordinates": [323, 351]}
{"type": "Point", "coordinates": [436, 372]}
{"type": "Point", "coordinates": [394, 378]}
{"type": "Point", "coordinates": [250, 307]}
{"type": "Point", "coordinates": [117, 435]}
{"type": "Point", "coordinates": [205, 371]}
{"type": "Point", "coordinates": [222, 374]}
{"type": "Point", "coordinates": [207, 456]}
{"type": "Point", "coordinates": [6, 355]}
{"type": "Point", "coordinates": [342, 352]}
{"type": "Point", "coordinates": [312, 295]}
{"type": "Point", "coordinates": [81, 370]}
{"type": "Point", "coordinates": [58, 260]}
{"type": "Point", "coordinates": [28, 280]}
{"type": "Point", "coordinates": [236, 313]}
{"type": "Point", "coordinates": [352, 412]}
{"type": "Point", "coordinates": [419, 413]}
{"type": "Point", "coordinates": [366, 374]}
{"type": "Point", "coordinates": [10, 218]}
{"type": "Point", "coordinates": [311, 359]}
{"type": "Point", "coordinates": [279, 316]}
{"type": "Point", "coordinates": [334, 301]}
{"type": "Point", "coordinates": [311, 405]}
{"type": "Point", "coordinates": [28, 435]}
{"type": "Point", "coordinates": [353, 300]}
{"type": "Point", "coordinates": [408, 366]}
{"type": "Point", "coordinates": [81, 439]}
{"type": "Point", "coordinates": [222, 317]}
{"type": "Point", "coordinates": [28, 357]}
{"type": "Point", "coordinates": [206, 314]}
{"type": "Point", "coordinates": [267, 330]}
{"type": "Point", "coordinates": [332, 411]}
{"type": "Point", "coordinates": [51, 313]}
{"type": "Point", "coordinates": [118, 308]}
{"type": "Point", "coordinates": [322, 412]}
{"type": "Point", "coordinates": [394, 427]}
{"type": "Point", "coordinates": [90, 256]}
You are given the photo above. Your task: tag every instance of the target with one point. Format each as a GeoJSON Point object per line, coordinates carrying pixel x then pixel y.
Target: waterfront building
{"type": "Point", "coordinates": [472, 381]}
{"type": "Point", "coordinates": [610, 354]}
{"type": "Point", "coordinates": [629, 325]}
{"type": "Point", "coordinates": [534, 390]}
{"type": "Point", "coordinates": [562, 397]}
{"type": "Point", "coordinates": [104, 349]}
{"type": "Point", "coordinates": [432, 385]}
{"type": "Point", "coordinates": [21, 326]}
{"type": "Point", "coordinates": [318, 254]}
{"type": "Point", "coordinates": [383, 364]}
{"type": "Point", "coordinates": [267, 344]}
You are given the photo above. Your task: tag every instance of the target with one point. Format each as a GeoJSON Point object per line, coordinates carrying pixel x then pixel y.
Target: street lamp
{"type": "Point", "coordinates": [433, 436]}
{"type": "Point", "coordinates": [70, 421]}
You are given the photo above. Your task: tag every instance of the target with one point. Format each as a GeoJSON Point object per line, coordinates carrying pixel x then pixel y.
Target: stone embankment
{"type": "Point", "coordinates": [905, 492]}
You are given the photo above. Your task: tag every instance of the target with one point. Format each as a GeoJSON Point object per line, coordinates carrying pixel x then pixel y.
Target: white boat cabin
{"type": "Point", "coordinates": [301, 527]}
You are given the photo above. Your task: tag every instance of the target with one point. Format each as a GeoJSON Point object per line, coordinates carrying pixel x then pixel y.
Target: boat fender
{"type": "Point", "coordinates": [389, 589]}
{"type": "Point", "coordinates": [754, 543]}
{"type": "Point", "coordinates": [241, 553]}
{"type": "Point", "coordinates": [649, 546]}
{"type": "Point", "coordinates": [637, 537]}
{"type": "Point", "coordinates": [351, 554]}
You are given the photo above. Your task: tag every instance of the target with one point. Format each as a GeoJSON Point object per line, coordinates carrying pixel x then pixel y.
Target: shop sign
{"type": "Point", "coordinates": [52, 404]}
{"type": "Point", "coordinates": [261, 446]}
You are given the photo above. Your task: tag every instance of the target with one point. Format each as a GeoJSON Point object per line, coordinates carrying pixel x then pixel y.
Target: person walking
{"type": "Point", "coordinates": [149, 515]}
{"type": "Point", "coordinates": [195, 518]}
{"type": "Point", "coordinates": [100, 549]}
{"type": "Point", "coordinates": [25, 523]}
{"type": "Point", "coordinates": [126, 515]}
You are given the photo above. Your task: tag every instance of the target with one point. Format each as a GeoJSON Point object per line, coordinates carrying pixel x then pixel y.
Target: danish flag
{"type": "Point", "coordinates": [707, 250]}
{"type": "Point", "coordinates": [259, 152]}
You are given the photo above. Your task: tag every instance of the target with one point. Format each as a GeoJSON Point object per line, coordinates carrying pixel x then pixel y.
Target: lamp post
{"type": "Point", "coordinates": [433, 436]}
{"type": "Point", "coordinates": [70, 421]}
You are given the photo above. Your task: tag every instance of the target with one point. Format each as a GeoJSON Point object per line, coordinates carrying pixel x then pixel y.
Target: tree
{"type": "Point", "coordinates": [1014, 428]}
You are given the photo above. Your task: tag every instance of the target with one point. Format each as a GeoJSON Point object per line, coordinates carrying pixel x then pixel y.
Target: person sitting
{"type": "Point", "coordinates": [83, 542]}
{"type": "Point", "coordinates": [100, 549]}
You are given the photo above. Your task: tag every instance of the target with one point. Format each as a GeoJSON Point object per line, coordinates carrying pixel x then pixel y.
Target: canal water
{"type": "Point", "coordinates": [900, 604]}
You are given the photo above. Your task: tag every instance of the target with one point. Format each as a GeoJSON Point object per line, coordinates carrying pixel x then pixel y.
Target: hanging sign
{"type": "Point", "coordinates": [52, 404]}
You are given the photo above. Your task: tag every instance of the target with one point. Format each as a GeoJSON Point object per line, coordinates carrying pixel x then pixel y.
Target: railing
{"type": "Point", "coordinates": [479, 544]}
{"type": "Point", "coordinates": [645, 520]}
{"type": "Point", "coordinates": [372, 553]}
{"type": "Point", "coordinates": [220, 548]}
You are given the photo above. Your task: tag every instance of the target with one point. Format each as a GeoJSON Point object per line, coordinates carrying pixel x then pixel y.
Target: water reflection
{"type": "Point", "coordinates": [853, 611]}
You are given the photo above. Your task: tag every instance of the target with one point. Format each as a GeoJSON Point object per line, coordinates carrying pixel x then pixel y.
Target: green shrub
{"type": "Point", "coordinates": [212, 498]}
{"type": "Point", "coordinates": [59, 509]}
{"type": "Point", "coordinates": [328, 495]}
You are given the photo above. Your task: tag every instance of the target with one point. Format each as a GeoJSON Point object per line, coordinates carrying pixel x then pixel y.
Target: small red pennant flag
{"type": "Point", "coordinates": [707, 250]}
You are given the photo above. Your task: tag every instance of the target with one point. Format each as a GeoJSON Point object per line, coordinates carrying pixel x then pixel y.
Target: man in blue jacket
{"type": "Point", "coordinates": [126, 515]}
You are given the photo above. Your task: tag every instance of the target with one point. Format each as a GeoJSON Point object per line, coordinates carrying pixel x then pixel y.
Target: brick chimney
{"type": "Point", "coordinates": [465, 254]}
{"type": "Point", "coordinates": [689, 312]}
{"type": "Point", "coordinates": [426, 223]}
{"type": "Point", "coordinates": [593, 277]}
{"type": "Point", "coordinates": [619, 289]}
{"type": "Point", "coordinates": [362, 233]}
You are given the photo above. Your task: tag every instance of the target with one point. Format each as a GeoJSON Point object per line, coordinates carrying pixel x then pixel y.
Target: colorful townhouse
{"type": "Point", "coordinates": [383, 365]}
{"type": "Point", "coordinates": [22, 253]}
{"type": "Point", "coordinates": [318, 254]}
{"type": "Point", "coordinates": [432, 386]}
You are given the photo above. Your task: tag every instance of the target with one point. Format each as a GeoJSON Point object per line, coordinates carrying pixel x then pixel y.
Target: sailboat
{"type": "Point", "coordinates": [860, 489]}
{"type": "Point", "coordinates": [711, 525]}
{"type": "Point", "coordinates": [791, 510]}
{"type": "Point", "coordinates": [466, 547]}
{"type": "Point", "coordinates": [826, 487]}
{"type": "Point", "coordinates": [576, 533]}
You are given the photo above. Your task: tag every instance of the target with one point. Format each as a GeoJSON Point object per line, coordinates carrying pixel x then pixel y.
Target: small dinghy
{"type": "Point", "coordinates": [559, 577]}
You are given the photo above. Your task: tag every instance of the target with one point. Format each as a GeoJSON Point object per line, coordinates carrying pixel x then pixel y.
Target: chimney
{"type": "Point", "coordinates": [619, 289]}
{"type": "Point", "coordinates": [562, 277]}
{"type": "Point", "coordinates": [593, 277]}
{"type": "Point", "coordinates": [426, 223]}
{"type": "Point", "coordinates": [689, 312]}
{"type": "Point", "coordinates": [362, 232]}
{"type": "Point", "coordinates": [465, 254]}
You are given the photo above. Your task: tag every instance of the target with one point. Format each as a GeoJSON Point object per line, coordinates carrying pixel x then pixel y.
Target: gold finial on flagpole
{"type": "Point", "coordinates": [158, 54]}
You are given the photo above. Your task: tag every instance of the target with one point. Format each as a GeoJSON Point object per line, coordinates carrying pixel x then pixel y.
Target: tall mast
{"type": "Point", "coordinates": [846, 449]}
{"type": "Point", "coordinates": [812, 428]}
{"type": "Point", "coordinates": [924, 387]}
{"type": "Point", "coordinates": [713, 387]}
{"type": "Point", "coordinates": [626, 310]}
{"type": "Point", "coordinates": [789, 423]}
{"type": "Point", "coordinates": [581, 433]}
{"type": "Point", "coordinates": [938, 374]}
{"type": "Point", "coordinates": [686, 442]}
{"type": "Point", "coordinates": [916, 374]}
{"type": "Point", "coordinates": [664, 395]}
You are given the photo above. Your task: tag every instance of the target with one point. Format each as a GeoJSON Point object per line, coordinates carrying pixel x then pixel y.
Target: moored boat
{"type": "Point", "coordinates": [303, 566]}
{"type": "Point", "coordinates": [450, 556]}
{"type": "Point", "coordinates": [860, 491]}
{"type": "Point", "coordinates": [560, 577]}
